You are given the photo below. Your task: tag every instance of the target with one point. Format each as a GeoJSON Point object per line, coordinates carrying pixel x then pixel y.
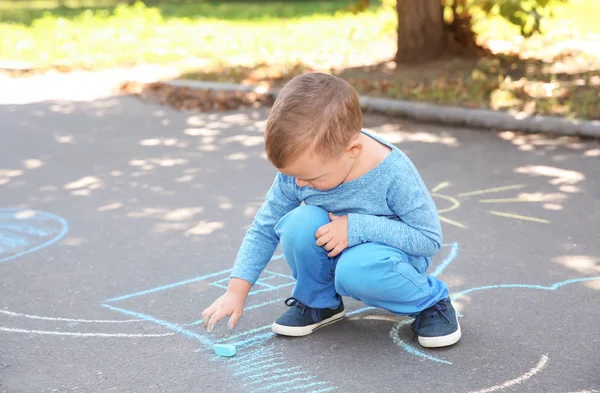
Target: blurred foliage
{"type": "Point", "coordinates": [553, 71]}
{"type": "Point", "coordinates": [525, 14]}
{"type": "Point", "coordinates": [460, 17]}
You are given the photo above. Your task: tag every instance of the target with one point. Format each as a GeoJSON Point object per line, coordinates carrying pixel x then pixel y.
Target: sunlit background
{"type": "Point", "coordinates": [533, 56]}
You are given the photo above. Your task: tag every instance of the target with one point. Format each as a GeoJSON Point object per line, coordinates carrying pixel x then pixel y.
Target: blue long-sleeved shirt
{"type": "Point", "coordinates": [389, 204]}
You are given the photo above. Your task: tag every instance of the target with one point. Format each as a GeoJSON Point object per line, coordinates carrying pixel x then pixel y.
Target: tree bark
{"type": "Point", "coordinates": [421, 35]}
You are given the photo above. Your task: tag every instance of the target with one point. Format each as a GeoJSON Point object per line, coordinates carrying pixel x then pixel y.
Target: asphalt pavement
{"type": "Point", "coordinates": [119, 221]}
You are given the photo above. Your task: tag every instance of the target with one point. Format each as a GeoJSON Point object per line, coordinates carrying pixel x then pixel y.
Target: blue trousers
{"type": "Point", "coordinates": [375, 274]}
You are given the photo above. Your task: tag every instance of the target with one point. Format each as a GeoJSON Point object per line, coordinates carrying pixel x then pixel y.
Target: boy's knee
{"type": "Point", "coordinates": [361, 271]}
{"type": "Point", "coordinates": [349, 280]}
{"type": "Point", "coordinates": [299, 226]}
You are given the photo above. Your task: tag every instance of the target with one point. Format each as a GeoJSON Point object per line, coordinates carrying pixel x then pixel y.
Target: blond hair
{"type": "Point", "coordinates": [313, 110]}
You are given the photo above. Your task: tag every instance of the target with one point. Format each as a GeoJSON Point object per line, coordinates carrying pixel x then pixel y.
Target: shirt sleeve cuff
{"type": "Point", "coordinates": [356, 232]}
{"type": "Point", "coordinates": [244, 274]}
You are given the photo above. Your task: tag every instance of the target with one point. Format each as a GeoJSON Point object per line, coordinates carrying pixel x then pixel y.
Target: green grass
{"type": "Point", "coordinates": [101, 33]}
{"type": "Point", "coordinates": [233, 33]}
{"type": "Point", "coordinates": [26, 12]}
{"type": "Point", "coordinates": [272, 41]}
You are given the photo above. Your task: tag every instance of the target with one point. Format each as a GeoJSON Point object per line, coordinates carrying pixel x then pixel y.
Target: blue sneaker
{"type": "Point", "coordinates": [437, 326]}
{"type": "Point", "coordinates": [301, 320]}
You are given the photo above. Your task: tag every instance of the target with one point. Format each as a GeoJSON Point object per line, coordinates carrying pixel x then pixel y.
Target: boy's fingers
{"type": "Point", "coordinates": [206, 314]}
{"type": "Point", "coordinates": [333, 217]}
{"type": "Point", "coordinates": [322, 231]}
{"type": "Point", "coordinates": [324, 240]}
{"type": "Point", "coordinates": [216, 317]}
{"type": "Point", "coordinates": [330, 245]}
{"type": "Point", "coordinates": [336, 251]}
{"type": "Point", "coordinates": [233, 320]}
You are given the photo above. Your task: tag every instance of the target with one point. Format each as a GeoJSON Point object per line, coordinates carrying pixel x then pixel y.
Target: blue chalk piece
{"type": "Point", "coordinates": [227, 350]}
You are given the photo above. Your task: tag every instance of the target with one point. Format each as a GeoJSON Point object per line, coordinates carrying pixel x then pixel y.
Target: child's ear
{"type": "Point", "coordinates": [354, 148]}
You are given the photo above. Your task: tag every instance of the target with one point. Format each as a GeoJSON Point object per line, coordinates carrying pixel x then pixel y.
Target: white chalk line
{"type": "Point", "coordinates": [541, 364]}
{"type": "Point", "coordinates": [18, 314]}
{"type": "Point", "coordinates": [80, 334]}
{"type": "Point", "coordinates": [587, 391]}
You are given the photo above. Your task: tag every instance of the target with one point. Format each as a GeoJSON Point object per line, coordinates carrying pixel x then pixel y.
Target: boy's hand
{"type": "Point", "coordinates": [230, 304]}
{"type": "Point", "coordinates": [334, 236]}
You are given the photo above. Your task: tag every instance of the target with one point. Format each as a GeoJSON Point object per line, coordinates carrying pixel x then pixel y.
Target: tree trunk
{"type": "Point", "coordinates": [421, 34]}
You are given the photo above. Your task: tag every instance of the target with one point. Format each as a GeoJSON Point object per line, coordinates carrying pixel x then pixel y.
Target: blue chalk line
{"type": "Point", "coordinates": [266, 361]}
{"type": "Point", "coordinates": [31, 230]}
{"type": "Point", "coordinates": [273, 377]}
{"type": "Point", "coordinates": [394, 332]}
{"type": "Point", "coordinates": [273, 363]}
{"type": "Point", "coordinates": [409, 348]}
{"type": "Point", "coordinates": [323, 390]}
{"type": "Point", "coordinates": [276, 374]}
{"type": "Point", "coordinates": [552, 287]}
{"type": "Point", "coordinates": [277, 385]}
{"type": "Point", "coordinates": [184, 282]}
{"type": "Point", "coordinates": [169, 286]}
{"type": "Point", "coordinates": [448, 260]}
{"type": "Point", "coordinates": [264, 369]}
{"type": "Point", "coordinates": [348, 314]}
{"type": "Point", "coordinates": [199, 322]}
{"type": "Point", "coordinates": [176, 328]}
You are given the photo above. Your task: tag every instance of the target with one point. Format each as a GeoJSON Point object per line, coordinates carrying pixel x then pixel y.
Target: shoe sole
{"type": "Point", "coordinates": [443, 341]}
{"type": "Point", "coordinates": [299, 331]}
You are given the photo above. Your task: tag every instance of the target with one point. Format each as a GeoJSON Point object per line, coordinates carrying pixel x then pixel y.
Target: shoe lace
{"type": "Point", "coordinates": [437, 309]}
{"type": "Point", "coordinates": [301, 307]}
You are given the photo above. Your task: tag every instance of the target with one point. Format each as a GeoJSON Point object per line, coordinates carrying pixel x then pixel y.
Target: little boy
{"type": "Point", "coordinates": [352, 215]}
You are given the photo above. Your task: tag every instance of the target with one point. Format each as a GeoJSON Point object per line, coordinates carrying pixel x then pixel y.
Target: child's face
{"type": "Point", "coordinates": [312, 170]}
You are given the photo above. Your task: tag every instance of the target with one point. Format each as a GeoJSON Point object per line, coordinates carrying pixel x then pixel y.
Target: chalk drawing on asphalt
{"type": "Point", "coordinates": [453, 202]}
{"type": "Point", "coordinates": [507, 384]}
{"type": "Point", "coordinates": [259, 366]}
{"type": "Point", "coordinates": [25, 231]}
